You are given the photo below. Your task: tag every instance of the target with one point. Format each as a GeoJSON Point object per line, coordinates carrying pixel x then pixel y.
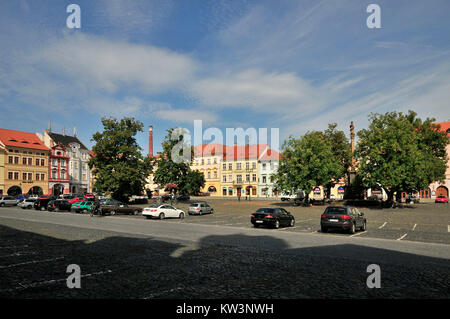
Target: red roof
{"type": "Point", "coordinates": [21, 139]}
{"type": "Point", "coordinates": [445, 127]}
{"type": "Point", "coordinates": [270, 155]}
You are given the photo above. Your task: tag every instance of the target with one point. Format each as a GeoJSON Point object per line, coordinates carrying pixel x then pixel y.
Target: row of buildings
{"type": "Point", "coordinates": [52, 163]}
{"type": "Point", "coordinates": [48, 163]}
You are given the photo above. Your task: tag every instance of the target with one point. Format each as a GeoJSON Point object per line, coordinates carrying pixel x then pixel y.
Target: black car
{"type": "Point", "coordinates": [345, 218]}
{"type": "Point", "coordinates": [272, 217]}
{"type": "Point", "coordinates": [183, 197]}
{"type": "Point", "coordinates": [412, 199]}
{"type": "Point", "coordinates": [58, 205]}
{"type": "Point", "coordinates": [41, 203]}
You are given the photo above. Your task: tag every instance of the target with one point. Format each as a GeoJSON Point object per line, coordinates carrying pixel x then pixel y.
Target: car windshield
{"type": "Point", "coordinates": [155, 206]}
{"type": "Point", "coordinates": [266, 210]}
{"type": "Point", "coordinates": [194, 205]}
{"type": "Point", "coordinates": [336, 210]}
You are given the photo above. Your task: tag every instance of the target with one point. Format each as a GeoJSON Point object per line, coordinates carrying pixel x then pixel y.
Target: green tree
{"type": "Point", "coordinates": [342, 151]}
{"type": "Point", "coordinates": [400, 153]}
{"type": "Point", "coordinates": [173, 164]}
{"type": "Point", "coordinates": [118, 165]}
{"type": "Point", "coordinates": [307, 162]}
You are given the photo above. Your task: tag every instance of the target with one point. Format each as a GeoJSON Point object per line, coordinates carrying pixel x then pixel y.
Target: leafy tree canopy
{"type": "Point", "coordinates": [119, 167]}
{"type": "Point", "coordinates": [400, 152]}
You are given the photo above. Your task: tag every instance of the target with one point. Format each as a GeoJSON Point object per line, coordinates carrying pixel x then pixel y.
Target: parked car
{"type": "Point", "coordinates": [112, 207]}
{"type": "Point", "coordinates": [41, 203]}
{"type": "Point", "coordinates": [200, 208]}
{"type": "Point", "coordinates": [8, 201]}
{"type": "Point", "coordinates": [441, 199]}
{"type": "Point", "coordinates": [163, 211]}
{"type": "Point", "coordinates": [342, 217]}
{"type": "Point", "coordinates": [411, 199]}
{"type": "Point", "coordinates": [58, 205]}
{"type": "Point", "coordinates": [89, 196]}
{"type": "Point", "coordinates": [287, 197]}
{"type": "Point", "coordinates": [273, 217]}
{"type": "Point", "coordinates": [183, 197]}
{"type": "Point", "coordinates": [27, 203]}
{"type": "Point", "coordinates": [21, 196]}
{"type": "Point", "coordinates": [33, 196]}
{"type": "Point", "coordinates": [166, 197]}
{"type": "Point", "coordinates": [84, 206]}
{"type": "Point", "coordinates": [76, 199]}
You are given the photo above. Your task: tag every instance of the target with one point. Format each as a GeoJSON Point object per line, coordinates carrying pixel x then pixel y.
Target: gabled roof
{"type": "Point", "coordinates": [21, 139]}
{"type": "Point", "coordinates": [66, 140]}
{"type": "Point", "coordinates": [270, 155]}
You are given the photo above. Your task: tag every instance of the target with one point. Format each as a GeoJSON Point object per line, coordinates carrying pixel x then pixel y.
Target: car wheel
{"type": "Point", "coordinates": [353, 229]}
{"type": "Point", "coordinates": [277, 224]}
{"type": "Point", "coordinates": [148, 217]}
{"type": "Point", "coordinates": [136, 212]}
{"type": "Point", "coordinates": [364, 226]}
{"type": "Point", "coordinates": [2, 204]}
{"type": "Point", "coordinates": [84, 211]}
{"type": "Point", "coordinates": [42, 208]}
{"type": "Point", "coordinates": [323, 229]}
{"type": "Point", "coordinates": [181, 216]}
{"type": "Point", "coordinates": [292, 222]}
{"type": "Point", "coordinates": [56, 209]}
{"type": "Point", "coordinates": [112, 213]}
{"type": "Point", "coordinates": [161, 216]}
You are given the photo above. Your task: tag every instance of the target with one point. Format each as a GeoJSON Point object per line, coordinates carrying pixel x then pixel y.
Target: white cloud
{"type": "Point", "coordinates": [186, 115]}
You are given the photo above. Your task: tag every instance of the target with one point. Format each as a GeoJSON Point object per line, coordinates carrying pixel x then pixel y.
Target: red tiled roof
{"type": "Point", "coordinates": [445, 127]}
{"type": "Point", "coordinates": [270, 155]}
{"type": "Point", "coordinates": [21, 139]}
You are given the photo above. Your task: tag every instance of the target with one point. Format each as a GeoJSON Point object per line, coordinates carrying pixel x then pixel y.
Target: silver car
{"type": "Point", "coordinates": [8, 201]}
{"type": "Point", "coordinates": [27, 203]}
{"type": "Point", "coordinates": [200, 208]}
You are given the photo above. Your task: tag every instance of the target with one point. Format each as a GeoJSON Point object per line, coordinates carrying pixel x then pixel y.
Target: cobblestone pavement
{"type": "Point", "coordinates": [34, 257]}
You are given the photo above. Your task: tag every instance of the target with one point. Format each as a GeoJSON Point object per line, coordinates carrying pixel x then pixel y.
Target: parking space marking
{"type": "Point", "coordinates": [448, 228]}
{"type": "Point", "coordinates": [357, 234]}
{"type": "Point", "coordinates": [31, 262]}
{"type": "Point", "coordinates": [53, 281]}
{"type": "Point", "coordinates": [382, 225]}
{"type": "Point", "coordinates": [12, 247]}
{"type": "Point", "coordinates": [414, 227]}
{"type": "Point", "coordinates": [402, 237]}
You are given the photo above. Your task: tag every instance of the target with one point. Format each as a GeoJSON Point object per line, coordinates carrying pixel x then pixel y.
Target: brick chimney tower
{"type": "Point", "coordinates": [150, 141]}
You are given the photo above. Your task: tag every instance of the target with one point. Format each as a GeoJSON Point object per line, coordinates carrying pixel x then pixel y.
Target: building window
{"type": "Point", "coordinates": [247, 165]}
{"type": "Point", "coordinates": [24, 176]}
{"type": "Point", "coordinates": [239, 179]}
{"type": "Point", "coordinates": [224, 167]}
{"type": "Point", "coordinates": [203, 161]}
{"type": "Point", "coordinates": [10, 159]}
{"type": "Point", "coordinates": [225, 178]}
{"type": "Point", "coordinates": [37, 161]}
{"type": "Point", "coordinates": [209, 161]}
{"type": "Point", "coordinates": [209, 175]}
{"type": "Point", "coordinates": [42, 177]}
{"type": "Point", "coordinates": [63, 174]}
{"type": "Point", "coordinates": [254, 178]}
{"type": "Point", "coordinates": [272, 166]}
{"type": "Point", "coordinates": [37, 176]}
{"type": "Point", "coordinates": [215, 174]}
{"type": "Point", "coordinates": [84, 177]}
{"type": "Point", "coordinates": [10, 175]}
{"type": "Point", "coordinates": [238, 166]}
{"type": "Point", "coordinates": [30, 161]}
{"type": "Point", "coordinates": [24, 161]}
{"type": "Point", "coordinates": [253, 165]}
{"type": "Point", "coordinates": [264, 166]}
{"type": "Point", "coordinates": [63, 163]}
{"type": "Point", "coordinates": [264, 179]}
{"type": "Point", "coordinates": [16, 175]}
{"type": "Point", "coordinates": [247, 177]}
{"type": "Point", "coordinates": [30, 176]}
{"type": "Point", "coordinates": [215, 161]}
{"type": "Point", "coordinates": [224, 191]}
{"type": "Point", "coordinates": [54, 162]}
{"type": "Point", "coordinates": [254, 191]}
{"type": "Point", "coordinates": [54, 174]}
{"type": "Point", "coordinates": [230, 166]}
{"type": "Point", "coordinates": [42, 162]}
{"type": "Point", "coordinates": [16, 159]}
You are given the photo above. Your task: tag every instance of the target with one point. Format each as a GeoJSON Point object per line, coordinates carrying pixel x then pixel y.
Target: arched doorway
{"type": "Point", "coordinates": [212, 189]}
{"type": "Point", "coordinates": [58, 189]}
{"type": "Point", "coordinates": [442, 191]}
{"type": "Point", "coordinates": [14, 191]}
{"type": "Point", "coordinates": [36, 190]}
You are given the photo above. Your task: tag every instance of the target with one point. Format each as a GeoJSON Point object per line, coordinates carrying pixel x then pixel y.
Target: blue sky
{"type": "Point", "coordinates": [293, 65]}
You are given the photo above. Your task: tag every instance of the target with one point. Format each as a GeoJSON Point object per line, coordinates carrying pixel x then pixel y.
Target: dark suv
{"type": "Point", "coordinates": [342, 217]}
{"type": "Point", "coordinates": [58, 205]}
{"type": "Point", "coordinates": [41, 203]}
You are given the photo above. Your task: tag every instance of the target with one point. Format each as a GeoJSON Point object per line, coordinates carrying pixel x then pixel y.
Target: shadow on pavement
{"type": "Point", "coordinates": [33, 265]}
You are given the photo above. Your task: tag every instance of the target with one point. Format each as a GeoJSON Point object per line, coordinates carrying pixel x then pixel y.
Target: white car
{"type": "Point", "coordinates": [162, 211]}
{"type": "Point", "coordinates": [27, 203]}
